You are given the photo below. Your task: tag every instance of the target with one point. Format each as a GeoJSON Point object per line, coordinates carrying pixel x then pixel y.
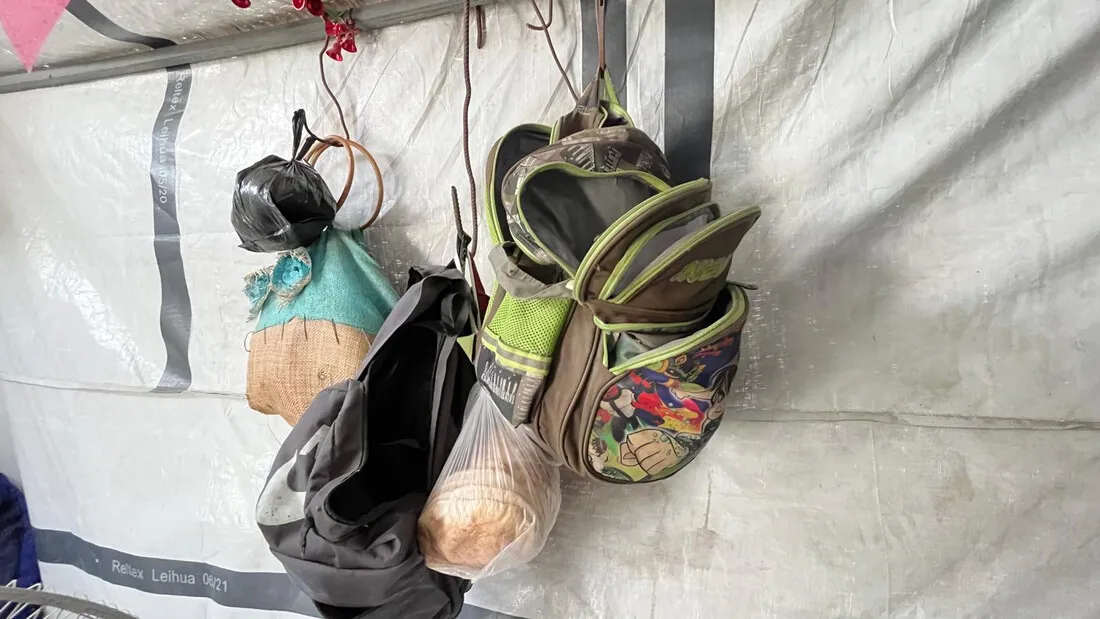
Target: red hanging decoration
{"type": "Point", "coordinates": [338, 26]}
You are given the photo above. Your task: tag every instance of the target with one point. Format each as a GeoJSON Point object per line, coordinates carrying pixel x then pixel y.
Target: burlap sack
{"type": "Point", "coordinates": [289, 364]}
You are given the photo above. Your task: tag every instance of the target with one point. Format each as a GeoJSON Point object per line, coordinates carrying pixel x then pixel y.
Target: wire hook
{"type": "Point", "coordinates": [601, 19]}
{"type": "Point", "coordinates": [479, 14]}
{"type": "Point", "coordinates": [545, 30]}
{"type": "Point", "coordinates": [549, 19]}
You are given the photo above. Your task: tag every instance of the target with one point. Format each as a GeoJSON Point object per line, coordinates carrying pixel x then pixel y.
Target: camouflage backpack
{"type": "Point", "coordinates": [611, 329]}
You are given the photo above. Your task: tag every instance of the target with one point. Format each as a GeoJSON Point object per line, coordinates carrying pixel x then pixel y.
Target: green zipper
{"type": "Point", "coordinates": [640, 242]}
{"type": "Point", "coordinates": [555, 131]}
{"type": "Point", "coordinates": [679, 347]}
{"type": "Point", "coordinates": [573, 170]}
{"type": "Point", "coordinates": [496, 233]}
{"type": "Point", "coordinates": [646, 277]}
{"type": "Point", "coordinates": [626, 219]}
{"type": "Point", "coordinates": [644, 327]}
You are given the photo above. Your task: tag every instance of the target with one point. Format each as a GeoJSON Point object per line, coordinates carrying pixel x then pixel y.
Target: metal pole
{"type": "Point", "coordinates": [370, 17]}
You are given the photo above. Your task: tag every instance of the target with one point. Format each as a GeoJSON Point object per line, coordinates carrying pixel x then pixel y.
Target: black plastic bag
{"type": "Point", "coordinates": [279, 205]}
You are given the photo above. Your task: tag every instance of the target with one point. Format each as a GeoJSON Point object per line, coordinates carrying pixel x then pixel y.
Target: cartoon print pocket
{"type": "Point", "coordinates": [663, 406]}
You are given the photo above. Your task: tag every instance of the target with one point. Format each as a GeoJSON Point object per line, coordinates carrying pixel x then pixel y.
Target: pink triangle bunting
{"type": "Point", "coordinates": [28, 23]}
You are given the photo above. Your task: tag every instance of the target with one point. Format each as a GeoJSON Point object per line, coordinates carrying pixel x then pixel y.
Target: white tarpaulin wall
{"type": "Point", "coordinates": [914, 432]}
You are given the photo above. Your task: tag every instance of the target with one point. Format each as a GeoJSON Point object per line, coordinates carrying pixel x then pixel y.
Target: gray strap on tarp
{"type": "Point", "coordinates": [262, 591]}
{"type": "Point", "coordinates": [175, 300]}
{"type": "Point", "coordinates": [689, 88]}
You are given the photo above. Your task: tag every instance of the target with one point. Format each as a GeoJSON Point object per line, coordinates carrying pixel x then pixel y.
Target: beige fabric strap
{"type": "Point", "coordinates": [522, 285]}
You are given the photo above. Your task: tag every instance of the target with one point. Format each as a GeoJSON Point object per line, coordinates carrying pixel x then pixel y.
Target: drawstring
{"type": "Point", "coordinates": [545, 29]}
{"type": "Point", "coordinates": [549, 19]}
{"type": "Point", "coordinates": [324, 82]}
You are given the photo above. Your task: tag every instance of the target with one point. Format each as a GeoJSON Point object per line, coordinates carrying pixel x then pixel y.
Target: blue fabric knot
{"type": "Point", "coordinates": [286, 278]}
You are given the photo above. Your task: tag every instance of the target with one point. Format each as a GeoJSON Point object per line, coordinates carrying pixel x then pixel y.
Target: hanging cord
{"type": "Point", "coordinates": [471, 246]}
{"type": "Point", "coordinates": [466, 128]}
{"type": "Point", "coordinates": [466, 132]}
{"type": "Point", "coordinates": [324, 82]}
{"type": "Point", "coordinates": [350, 146]}
{"type": "Point", "coordinates": [544, 27]}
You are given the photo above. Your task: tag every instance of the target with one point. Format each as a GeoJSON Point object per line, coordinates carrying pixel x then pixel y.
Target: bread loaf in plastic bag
{"type": "Point", "coordinates": [496, 499]}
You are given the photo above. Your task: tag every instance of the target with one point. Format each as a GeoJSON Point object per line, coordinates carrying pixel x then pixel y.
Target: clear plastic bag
{"type": "Point", "coordinates": [281, 205]}
{"type": "Point", "coordinates": [495, 501]}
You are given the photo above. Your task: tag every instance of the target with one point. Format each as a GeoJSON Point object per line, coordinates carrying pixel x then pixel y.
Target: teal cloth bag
{"type": "Point", "coordinates": [318, 311]}
{"type": "Point", "coordinates": [345, 286]}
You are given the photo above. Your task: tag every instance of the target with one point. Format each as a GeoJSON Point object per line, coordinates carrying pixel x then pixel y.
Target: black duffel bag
{"type": "Point", "coordinates": [340, 505]}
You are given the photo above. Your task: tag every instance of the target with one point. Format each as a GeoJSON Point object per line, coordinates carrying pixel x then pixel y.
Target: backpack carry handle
{"type": "Point", "coordinates": [602, 72]}
{"type": "Point", "coordinates": [599, 102]}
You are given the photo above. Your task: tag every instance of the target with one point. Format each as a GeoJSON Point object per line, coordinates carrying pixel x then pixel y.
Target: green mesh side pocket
{"type": "Point", "coordinates": [530, 325]}
{"type": "Point", "coordinates": [517, 348]}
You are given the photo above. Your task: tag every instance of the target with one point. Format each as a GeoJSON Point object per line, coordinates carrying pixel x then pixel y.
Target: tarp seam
{"type": "Point", "coordinates": [946, 421]}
